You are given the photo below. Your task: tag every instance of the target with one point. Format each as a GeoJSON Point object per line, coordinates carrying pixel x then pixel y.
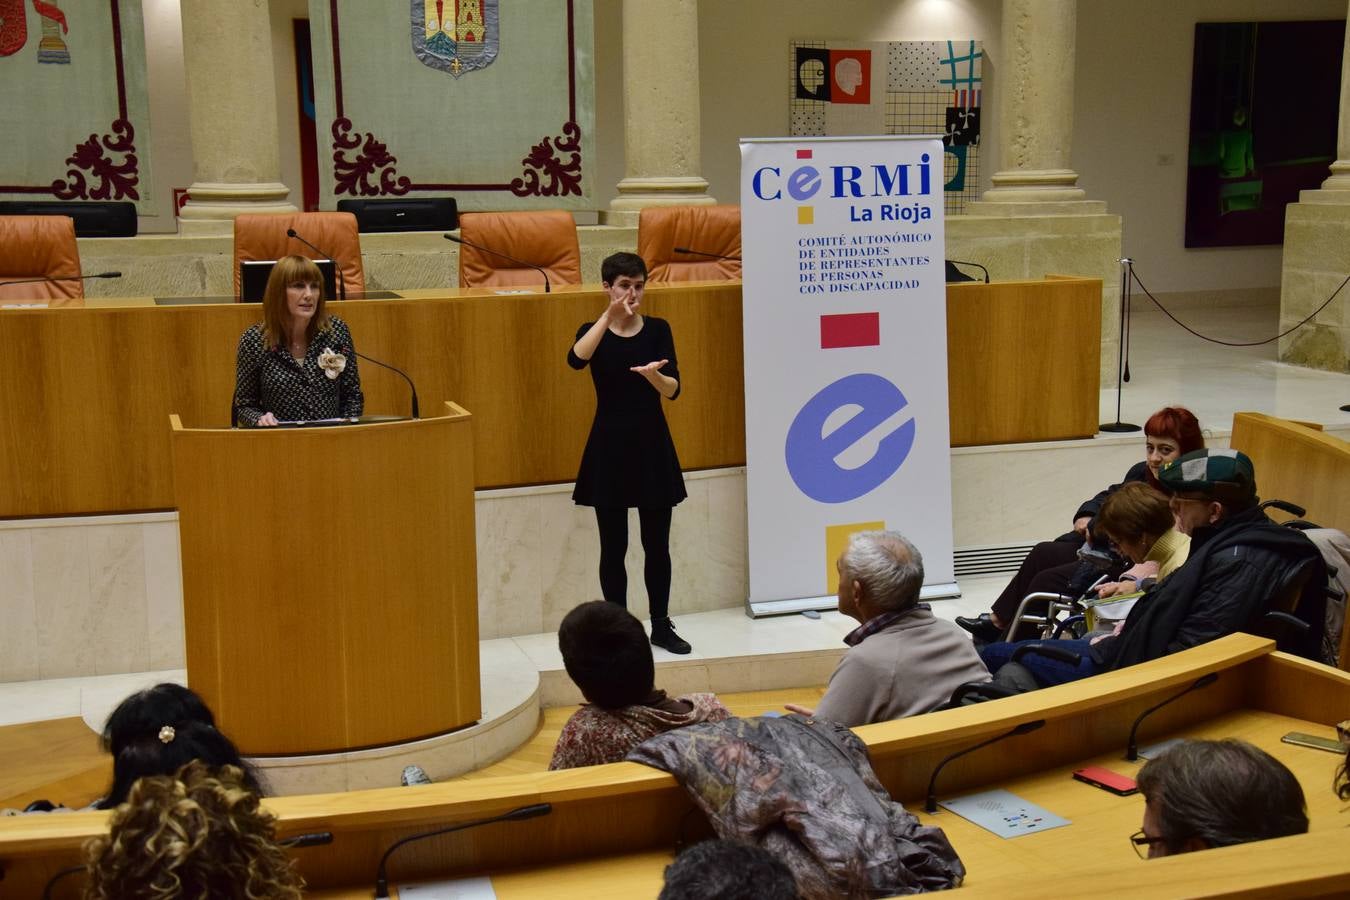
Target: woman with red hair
{"type": "Point", "coordinates": [1050, 566]}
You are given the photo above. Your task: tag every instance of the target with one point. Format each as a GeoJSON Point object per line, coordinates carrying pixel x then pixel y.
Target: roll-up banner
{"type": "Point", "coordinates": [845, 323]}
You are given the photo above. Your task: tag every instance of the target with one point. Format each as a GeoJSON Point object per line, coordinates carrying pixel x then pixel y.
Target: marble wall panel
{"type": "Point", "coordinates": [18, 612]}
{"type": "Point", "coordinates": [163, 596]}
{"type": "Point", "coordinates": [117, 598]}
{"type": "Point", "coordinates": [69, 641]}
{"type": "Point", "coordinates": [510, 582]}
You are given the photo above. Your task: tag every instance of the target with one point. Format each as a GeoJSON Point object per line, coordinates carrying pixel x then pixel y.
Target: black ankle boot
{"type": "Point", "coordinates": [982, 627]}
{"type": "Point", "coordinates": [664, 636]}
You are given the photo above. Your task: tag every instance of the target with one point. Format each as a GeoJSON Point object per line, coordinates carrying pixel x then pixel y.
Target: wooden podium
{"type": "Point", "coordinates": [329, 581]}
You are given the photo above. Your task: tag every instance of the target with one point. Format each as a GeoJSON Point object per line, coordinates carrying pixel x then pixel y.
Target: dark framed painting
{"type": "Point", "coordinates": [1265, 100]}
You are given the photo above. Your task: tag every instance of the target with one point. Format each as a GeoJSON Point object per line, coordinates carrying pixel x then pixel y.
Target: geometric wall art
{"type": "Point", "coordinates": [896, 87]}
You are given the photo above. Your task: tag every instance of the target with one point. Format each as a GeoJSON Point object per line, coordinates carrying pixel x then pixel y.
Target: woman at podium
{"type": "Point", "coordinates": [299, 363]}
{"type": "Point", "coordinates": [630, 460]}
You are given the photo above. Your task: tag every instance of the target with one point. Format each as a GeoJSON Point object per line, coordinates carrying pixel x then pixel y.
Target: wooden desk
{"type": "Point", "coordinates": [1296, 463]}
{"type": "Point", "coordinates": [84, 392]}
{"type": "Point", "coordinates": [630, 816]}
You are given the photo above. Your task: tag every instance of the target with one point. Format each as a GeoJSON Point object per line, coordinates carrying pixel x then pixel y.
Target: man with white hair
{"type": "Point", "coordinates": [903, 660]}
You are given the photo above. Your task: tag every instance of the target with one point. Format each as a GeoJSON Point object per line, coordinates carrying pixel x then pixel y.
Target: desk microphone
{"type": "Point", "coordinates": [523, 812]}
{"type": "Point", "coordinates": [337, 266]}
{"type": "Point", "coordinates": [706, 253]}
{"type": "Point", "coordinates": [528, 265]}
{"type": "Point", "coordinates": [42, 278]}
{"type": "Point", "coordinates": [411, 387]}
{"type": "Point", "coordinates": [930, 805]}
{"type": "Point", "coordinates": [1132, 750]}
{"type": "Point", "coordinates": [309, 839]}
{"type": "Point", "coordinates": [962, 262]}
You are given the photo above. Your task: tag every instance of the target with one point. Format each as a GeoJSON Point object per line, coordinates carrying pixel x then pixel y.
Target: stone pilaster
{"type": "Point", "coordinates": [1035, 108]}
{"type": "Point", "coordinates": [1316, 258]}
{"type": "Point", "coordinates": [236, 167]}
{"type": "Point", "coordinates": [1034, 221]}
{"type": "Point", "coordinates": [660, 109]}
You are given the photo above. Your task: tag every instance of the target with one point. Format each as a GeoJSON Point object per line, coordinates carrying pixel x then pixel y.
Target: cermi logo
{"type": "Point", "coordinates": [844, 182]}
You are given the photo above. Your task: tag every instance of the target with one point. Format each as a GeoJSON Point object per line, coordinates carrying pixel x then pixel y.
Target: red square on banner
{"type": "Point", "coordinates": [850, 330]}
{"type": "Point", "coordinates": [803, 154]}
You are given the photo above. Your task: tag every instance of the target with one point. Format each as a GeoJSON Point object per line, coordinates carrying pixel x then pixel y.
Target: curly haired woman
{"type": "Point", "coordinates": [200, 834]}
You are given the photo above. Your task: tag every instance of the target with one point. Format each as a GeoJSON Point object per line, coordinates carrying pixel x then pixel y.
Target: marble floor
{"type": "Point", "coordinates": [1168, 366]}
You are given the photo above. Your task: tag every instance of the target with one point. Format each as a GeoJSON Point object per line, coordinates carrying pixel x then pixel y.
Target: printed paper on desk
{"type": "Point", "coordinates": [1004, 813]}
{"type": "Point", "coordinates": [452, 889]}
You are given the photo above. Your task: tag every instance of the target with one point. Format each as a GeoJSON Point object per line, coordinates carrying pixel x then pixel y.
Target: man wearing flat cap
{"type": "Point", "coordinates": [1240, 564]}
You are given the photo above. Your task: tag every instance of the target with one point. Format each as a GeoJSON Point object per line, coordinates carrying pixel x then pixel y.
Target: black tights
{"type": "Point", "coordinates": [655, 527]}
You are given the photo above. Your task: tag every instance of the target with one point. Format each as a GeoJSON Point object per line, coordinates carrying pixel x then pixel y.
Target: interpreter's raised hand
{"type": "Point", "coordinates": [621, 307]}
{"type": "Point", "coordinates": [267, 419]}
{"type": "Point", "coordinates": [650, 370]}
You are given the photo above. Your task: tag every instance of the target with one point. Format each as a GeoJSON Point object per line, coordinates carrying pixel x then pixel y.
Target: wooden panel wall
{"type": "Point", "coordinates": [329, 589]}
{"type": "Point", "coordinates": [85, 394]}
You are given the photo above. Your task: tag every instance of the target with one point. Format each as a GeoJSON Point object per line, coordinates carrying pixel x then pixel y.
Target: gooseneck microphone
{"type": "Point", "coordinates": [42, 278]}
{"type": "Point", "coordinates": [962, 262]}
{"type": "Point", "coordinates": [930, 805]}
{"type": "Point", "coordinates": [706, 253]}
{"type": "Point", "coordinates": [309, 839]}
{"type": "Point", "coordinates": [528, 265]}
{"type": "Point", "coordinates": [337, 266]}
{"type": "Point", "coordinates": [415, 409]}
{"type": "Point", "coordinates": [1132, 749]}
{"type": "Point", "coordinates": [515, 815]}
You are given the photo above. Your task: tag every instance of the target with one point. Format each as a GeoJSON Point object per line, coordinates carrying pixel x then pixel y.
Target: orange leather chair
{"type": "Point", "coordinates": [712, 229]}
{"type": "Point", "coordinates": [36, 247]}
{"type": "Point", "coordinates": [547, 238]}
{"type": "Point", "coordinates": [264, 237]}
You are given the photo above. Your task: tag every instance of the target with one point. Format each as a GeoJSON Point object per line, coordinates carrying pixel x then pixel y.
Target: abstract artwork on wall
{"type": "Point", "coordinates": [73, 103]}
{"type": "Point", "coordinates": [1264, 108]}
{"type": "Point", "coordinates": [491, 102]}
{"type": "Point", "coordinates": [898, 87]}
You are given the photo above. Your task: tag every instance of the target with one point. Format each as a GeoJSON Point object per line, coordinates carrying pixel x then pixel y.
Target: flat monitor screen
{"type": "Point", "coordinates": [253, 275]}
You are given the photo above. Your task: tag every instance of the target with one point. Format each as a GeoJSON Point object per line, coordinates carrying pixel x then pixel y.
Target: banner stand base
{"type": "Point", "coordinates": [764, 608]}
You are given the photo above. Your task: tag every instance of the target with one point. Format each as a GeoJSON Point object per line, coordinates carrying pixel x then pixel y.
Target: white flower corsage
{"type": "Point", "coordinates": [332, 362]}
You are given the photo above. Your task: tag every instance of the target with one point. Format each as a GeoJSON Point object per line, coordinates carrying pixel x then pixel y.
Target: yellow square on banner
{"type": "Point", "coordinates": [836, 539]}
{"type": "Point", "coordinates": [806, 215]}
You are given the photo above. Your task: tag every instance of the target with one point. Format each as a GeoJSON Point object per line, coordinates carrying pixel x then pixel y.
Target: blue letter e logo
{"type": "Point", "coordinates": [812, 454]}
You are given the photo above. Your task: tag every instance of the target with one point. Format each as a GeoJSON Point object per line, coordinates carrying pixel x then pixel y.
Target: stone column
{"type": "Point", "coordinates": [660, 109]}
{"type": "Point", "coordinates": [227, 51]}
{"type": "Point", "coordinates": [1317, 256]}
{"type": "Point", "coordinates": [1034, 221]}
{"type": "Point", "coordinates": [1035, 104]}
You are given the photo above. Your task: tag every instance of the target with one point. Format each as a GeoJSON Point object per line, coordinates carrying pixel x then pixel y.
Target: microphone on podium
{"type": "Point", "coordinates": [528, 265]}
{"type": "Point", "coordinates": [522, 812]}
{"type": "Point", "coordinates": [337, 265]}
{"type": "Point", "coordinates": [1025, 728]}
{"type": "Point", "coordinates": [42, 278]}
{"type": "Point", "coordinates": [415, 410]}
{"type": "Point", "coordinates": [706, 253]}
{"type": "Point", "coordinates": [1132, 748]}
{"type": "Point", "coordinates": [953, 263]}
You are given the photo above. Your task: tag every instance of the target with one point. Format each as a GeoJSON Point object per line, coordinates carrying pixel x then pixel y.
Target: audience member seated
{"type": "Point", "coordinates": [1204, 794]}
{"type": "Point", "coordinates": [1137, 521]}
{"type": "Point", "coordinates": [727, 870]}
{"type": "Point", "coordinates": [606, 653]}
{"type": "Point", "coordinates": [199, 834]}
{"type": "Point", "coordinates": [159, 730]}
{"type": "Point", "coordinates": [1051, 566]}
{"type": "Point", "coordinates": [903, 660]}
{"type": "Point", "coordinates": [1239, 562]}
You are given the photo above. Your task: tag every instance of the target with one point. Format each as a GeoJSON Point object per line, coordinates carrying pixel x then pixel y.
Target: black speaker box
{"type": "Point", "coordinates": [418, 214]}
{"type": "Point", "coordinates": [110, 219]}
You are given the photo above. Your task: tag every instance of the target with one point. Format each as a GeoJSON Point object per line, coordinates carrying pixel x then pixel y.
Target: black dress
{"type": "Point", "coordinates": [630, 458]}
